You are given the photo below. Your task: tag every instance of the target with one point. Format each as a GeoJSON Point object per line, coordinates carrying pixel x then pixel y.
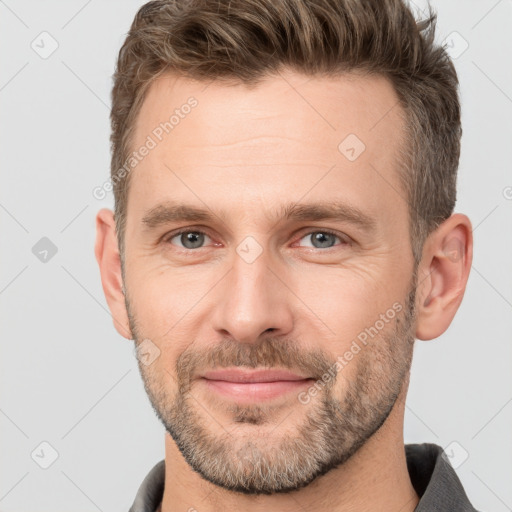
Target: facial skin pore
{"type": "Point", "coordinates": [263, 280]}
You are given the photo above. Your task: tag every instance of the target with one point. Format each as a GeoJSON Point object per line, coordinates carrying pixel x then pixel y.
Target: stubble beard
{"type": "Point", "coordinates": [331, 431]}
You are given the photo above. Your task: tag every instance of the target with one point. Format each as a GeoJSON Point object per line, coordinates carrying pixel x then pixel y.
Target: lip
{"type": "Point", "coordinates": [244, 375]}
{"type": "Point", "coordinates": [248, 386]}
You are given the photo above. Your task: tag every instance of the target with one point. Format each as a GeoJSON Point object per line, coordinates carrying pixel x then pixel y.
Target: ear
{"type": "Point", "coordinates": [109, 261]}
{"type": "Point", "coordinates": [442, 275]}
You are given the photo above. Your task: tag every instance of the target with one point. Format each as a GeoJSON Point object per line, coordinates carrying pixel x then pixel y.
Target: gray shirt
{"type": "Point", "coordinates": [432, 477]}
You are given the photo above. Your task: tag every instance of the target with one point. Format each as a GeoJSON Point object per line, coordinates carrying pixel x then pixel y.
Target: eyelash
{"type": "Point", "coordinates": [168, 238]}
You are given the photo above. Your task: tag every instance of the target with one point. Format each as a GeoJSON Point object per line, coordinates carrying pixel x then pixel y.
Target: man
{"type": "Point", "coordinates": [285, 177]}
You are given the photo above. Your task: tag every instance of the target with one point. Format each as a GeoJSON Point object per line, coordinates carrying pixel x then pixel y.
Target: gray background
{"type": "Point", "coordinates": [67, 377]}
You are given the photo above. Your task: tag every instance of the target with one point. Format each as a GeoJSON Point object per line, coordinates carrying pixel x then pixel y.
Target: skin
{"type": "Point", "coordinates": [245, 153]}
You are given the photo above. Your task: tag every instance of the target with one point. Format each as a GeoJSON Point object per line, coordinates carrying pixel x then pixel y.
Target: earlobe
{"type": "Point", "coordinates": [443, 274]}
{"type": "Point", "coordinates": [109, 261]}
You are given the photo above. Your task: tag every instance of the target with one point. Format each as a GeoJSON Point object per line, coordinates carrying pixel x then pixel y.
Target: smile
{"type": "Point", "coordinates": [254, 385]}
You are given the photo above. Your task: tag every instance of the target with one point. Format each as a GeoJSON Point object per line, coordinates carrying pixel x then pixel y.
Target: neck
{"type": "Point", "coordinates": [374, 478]}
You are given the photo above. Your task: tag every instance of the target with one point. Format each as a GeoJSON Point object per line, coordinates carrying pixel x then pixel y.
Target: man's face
{"type": "Point", "coordinates": [263, 280]}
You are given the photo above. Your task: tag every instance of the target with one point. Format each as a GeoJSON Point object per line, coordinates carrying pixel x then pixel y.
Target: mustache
{"type": "Point", "coordinates": [269, 353]}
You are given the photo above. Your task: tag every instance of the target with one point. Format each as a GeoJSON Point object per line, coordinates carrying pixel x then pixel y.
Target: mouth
{"type": "Point", "coordinates": [249, 386]}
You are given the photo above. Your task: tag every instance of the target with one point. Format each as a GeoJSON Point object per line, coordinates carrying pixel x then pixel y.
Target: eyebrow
{"type": "Point", "coordinates": [169, 211]}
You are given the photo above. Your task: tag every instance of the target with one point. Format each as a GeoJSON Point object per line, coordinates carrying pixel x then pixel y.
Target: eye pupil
{"type": "Point", "coordinates": [192, 239]}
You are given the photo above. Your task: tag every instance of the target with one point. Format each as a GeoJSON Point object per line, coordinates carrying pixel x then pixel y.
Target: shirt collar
{"type": "Point", "coordinates": [435, 480]}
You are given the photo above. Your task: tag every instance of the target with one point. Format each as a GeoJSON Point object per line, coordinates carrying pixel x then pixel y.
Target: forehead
{"type": "Point", "coordinates": [284, 135]}
{"type": "Point", "coordinates": [357, 101]}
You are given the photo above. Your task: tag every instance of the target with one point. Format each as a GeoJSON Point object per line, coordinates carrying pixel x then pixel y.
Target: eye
{"type": "Point", "coordinates": [322, 239]}
{"type": "Point", "coordinates": [188, 239]}
{"type": "Point", "coordinates": [191, 239]}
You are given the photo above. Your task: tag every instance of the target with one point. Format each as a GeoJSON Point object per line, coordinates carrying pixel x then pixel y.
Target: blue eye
{"type": "Point", "coordinates": [190, 239]}
{"type": "Point", "coordinates": [321, 239]}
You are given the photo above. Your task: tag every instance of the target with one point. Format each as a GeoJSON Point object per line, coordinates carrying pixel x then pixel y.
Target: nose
{"type": "Point", "coordinates": [252, 301]}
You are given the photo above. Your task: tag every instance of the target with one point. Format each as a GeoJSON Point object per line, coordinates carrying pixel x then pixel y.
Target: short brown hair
{"type": "Point", "coordinates": [245, 40]}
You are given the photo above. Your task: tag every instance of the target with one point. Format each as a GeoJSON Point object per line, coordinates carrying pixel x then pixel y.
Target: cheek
{"type": "Point", "coordinates": [343, 304]}
{"type": "Point", "coordinates": [162, 296]}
